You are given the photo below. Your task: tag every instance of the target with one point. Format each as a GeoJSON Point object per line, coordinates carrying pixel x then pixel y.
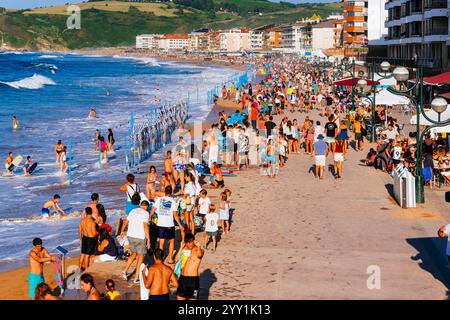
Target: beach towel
{"type": "Point", "coordinates": [184, 256]}
{"type": "Point", "coordinates": [144, 290]}
{"type": "Point", "coordinates": [33, 281]}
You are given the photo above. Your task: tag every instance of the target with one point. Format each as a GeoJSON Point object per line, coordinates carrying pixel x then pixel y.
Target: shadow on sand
{"type": "Point", "coordinates": [207, 279]}
{"type": "Point", "coordinates": [431, 253]}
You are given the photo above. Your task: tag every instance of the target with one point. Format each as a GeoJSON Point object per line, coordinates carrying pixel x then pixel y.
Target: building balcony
{"type": "Point", "coordinates": [348, 8]}
{"type": "Point", "coordinates": [355, 29]}
{"type": "Point", "coordinates": [355, 18]}
{"type": "Point", "coordinates": [435, 4]}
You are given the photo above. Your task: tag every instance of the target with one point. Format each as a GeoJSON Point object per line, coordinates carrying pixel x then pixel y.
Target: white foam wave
{"type": "Point", "coordinates": [34, 82]}
{"type": "Point", "coordinates": [49, 56]}
{"type": "Point", "coordinates": [47, 66]}
{"type": "Point", "coordinates": [149, 61]}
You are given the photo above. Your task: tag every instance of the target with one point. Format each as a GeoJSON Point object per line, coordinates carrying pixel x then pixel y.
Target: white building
{"type": "Point", "coordinates": [376, 17]}
{"type": "Point", "coordinates": [297, 38]}
{"type": "Point", "coordinates": [147, 41]}
{"type": "Point", "coordinates": [235, 40]}
{"type": "Point", "coordinates": [322, 36]}
{"type": "Point", "coordinates": [173, 42]}
{"type": "Point", "coordinates": [256, 40]}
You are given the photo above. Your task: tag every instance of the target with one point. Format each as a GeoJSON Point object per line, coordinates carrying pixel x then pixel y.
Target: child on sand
{"type": "Point", "coordinates": [52, 204]}
{"type": "Point", "coordinates": [224, 213]}
{"type": "Point", "coordinates": [112, 293]}
{"type": "Point", "coordinates": [211, 229]}
{"type": "Point", "coordinates": [203, 204]}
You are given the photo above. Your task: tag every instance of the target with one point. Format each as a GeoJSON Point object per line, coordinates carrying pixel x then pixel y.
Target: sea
{"type": "Point", "coordinates": [51, 95]}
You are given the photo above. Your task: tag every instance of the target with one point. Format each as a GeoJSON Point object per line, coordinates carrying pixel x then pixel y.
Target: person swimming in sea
{"type": "Point", "coordinates": [92, 114]}
{"type": "Point", "coordinates": [27, 165]}
{"type": "Point", "coordinates": [15, 123]}
{"type": "Point", "coordinates": [52, 204]}
{"type": "Point", "coordinates": [108, 93]}
{"type": "Point", "coordinates": [8, 161]}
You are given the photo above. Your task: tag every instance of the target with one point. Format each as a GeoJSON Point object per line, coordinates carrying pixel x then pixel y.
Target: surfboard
{"type": "Point", "coordinates": [32, 168]}
{"type": "Point", "coordinates": [17, 160]}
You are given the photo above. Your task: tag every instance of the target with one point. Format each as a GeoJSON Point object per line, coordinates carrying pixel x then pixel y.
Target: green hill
{"type": "Point", "coordinates": [102, 25]}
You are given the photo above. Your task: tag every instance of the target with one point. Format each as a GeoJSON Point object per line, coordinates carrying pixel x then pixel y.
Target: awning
{"type": "Point", "coordinates": [349, 82]}
{"type": "Point", "coordinates": [432, 115]}
{"type": "Point", "coordinates": [437, 80]}
{"type": "Point", "coordinates": [386, 98]}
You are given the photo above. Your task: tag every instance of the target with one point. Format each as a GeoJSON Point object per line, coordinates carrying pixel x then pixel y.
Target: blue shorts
{"type": "Point", "coordinates": [33, 281]}
{"type": "Point", "coordinates": [45, 212]}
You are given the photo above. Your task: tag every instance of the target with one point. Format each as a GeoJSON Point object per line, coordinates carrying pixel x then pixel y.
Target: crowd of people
{"type": "Point", "coordinates": [162, 219]}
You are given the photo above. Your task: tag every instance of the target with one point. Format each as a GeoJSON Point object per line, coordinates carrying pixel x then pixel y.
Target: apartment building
{"type": "Point", "coordinates": [235, 40]}
{"type": "Point", "coordinates": [173, 42]}
{"type": "Point", "coordinates": [199, 40]}
{"type": "Point", "coordinates": [355, 28]}
{"type": "Point", "coordinates": [273, 38]}
{"type": "Point", "coordinates": [322, 36]}
{"type": "Point", "coordinates": [419, 29]}
{"type": "Point", "coordinates": [147, 41]}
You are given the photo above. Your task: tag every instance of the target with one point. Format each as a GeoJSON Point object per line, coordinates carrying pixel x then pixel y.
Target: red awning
{"type": "Point", "coordinates": [437, 80]}
{"type": "Point", "coordinates": [348, 82]}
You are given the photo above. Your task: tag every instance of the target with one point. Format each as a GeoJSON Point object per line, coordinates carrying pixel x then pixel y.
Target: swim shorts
{"type": "Point", "coordinates": [159, 297]}
{"type": "Point", "coordinates": [33, 281]}
{"type": "Point", "coordinates": [45, 212]}
{"type": "Point", "coordinates": [88, 245]}
{"type": "Point", "coordinates": [167, 233]}
{"type": "Point", "coordinates": [220, 183]}
{"type": "Point", "coordinates": [188, 287]}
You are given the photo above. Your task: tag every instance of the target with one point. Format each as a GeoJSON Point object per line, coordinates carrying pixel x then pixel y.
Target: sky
{"type": "Point", "coordinates": [26, 4]}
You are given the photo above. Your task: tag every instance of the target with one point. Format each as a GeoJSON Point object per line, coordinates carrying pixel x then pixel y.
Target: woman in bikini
{"type": "Point", "coordinates": [58, 150]}
{"type": "Point", "coordinates": [152, 178]}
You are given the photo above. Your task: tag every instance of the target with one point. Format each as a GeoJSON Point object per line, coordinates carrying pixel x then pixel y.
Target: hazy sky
{"type": "Point", "coordinates": [26, 4]}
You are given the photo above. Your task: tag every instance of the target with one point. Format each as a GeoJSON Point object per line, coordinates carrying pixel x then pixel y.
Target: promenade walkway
{"type": "Point", "coordinates": [296, 237]}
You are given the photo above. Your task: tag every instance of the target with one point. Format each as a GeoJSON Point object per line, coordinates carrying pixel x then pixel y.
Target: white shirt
{"type": "Point", "coordinates": [131, 189]}
{"type": "Point", "coordinates": [318, 130]}
{"type": "Point", "coordinates": [136, 220]}
{"type": "Point", "coordinates": [190, 189]}
{"type": "Point", "coordinates": [391, 134]}
{"type": "Point", "coordinates": [397, 153]}
{"type": "Point", "coordinates": [165, 206]}
{"type": "Point", "coordinates": [204, 205]}
{"type": "Point", "coordinates": [211, 222]}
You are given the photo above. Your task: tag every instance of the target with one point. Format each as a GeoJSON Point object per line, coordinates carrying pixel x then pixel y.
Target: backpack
{"type": "Point", "coordinates": [136, 197]}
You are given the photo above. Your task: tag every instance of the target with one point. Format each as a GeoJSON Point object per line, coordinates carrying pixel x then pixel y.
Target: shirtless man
{"type": "Point", "coordinates": [159, 278]}
{"type": "Point", "coordinates": [93, 205]}
{"type": "Point", "coordinates": [87, 233]}
{"type": "Point", "coordinates": [168, 167]}
{"type": "Point", "coordinates": [38, 256]}
{"type": "Point", "coordinates": [52, 204]}
{"type": "Point", "coordinates": [189, 281]}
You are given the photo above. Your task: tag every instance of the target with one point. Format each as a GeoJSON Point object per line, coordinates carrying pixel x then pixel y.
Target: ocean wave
{"type": "Point", "coordinates": [149, 61]}
{"type": "Point", "coordinates": [34, 82]}
{"type": "Point", "coordinates": [49, 56]}
{"type": "Point", "coordinates": [47, 66]}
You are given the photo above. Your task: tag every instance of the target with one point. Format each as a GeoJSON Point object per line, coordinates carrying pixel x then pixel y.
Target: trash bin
{"type": "Point", "coordinates": [404, 187]}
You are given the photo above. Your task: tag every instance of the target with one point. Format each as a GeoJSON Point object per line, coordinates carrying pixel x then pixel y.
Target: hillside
{"type": "Point", "coordinates": [116, 23]}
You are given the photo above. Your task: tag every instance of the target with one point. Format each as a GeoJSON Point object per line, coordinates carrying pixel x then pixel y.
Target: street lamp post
{"type": "Point", "coordinates": [362, 84]}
